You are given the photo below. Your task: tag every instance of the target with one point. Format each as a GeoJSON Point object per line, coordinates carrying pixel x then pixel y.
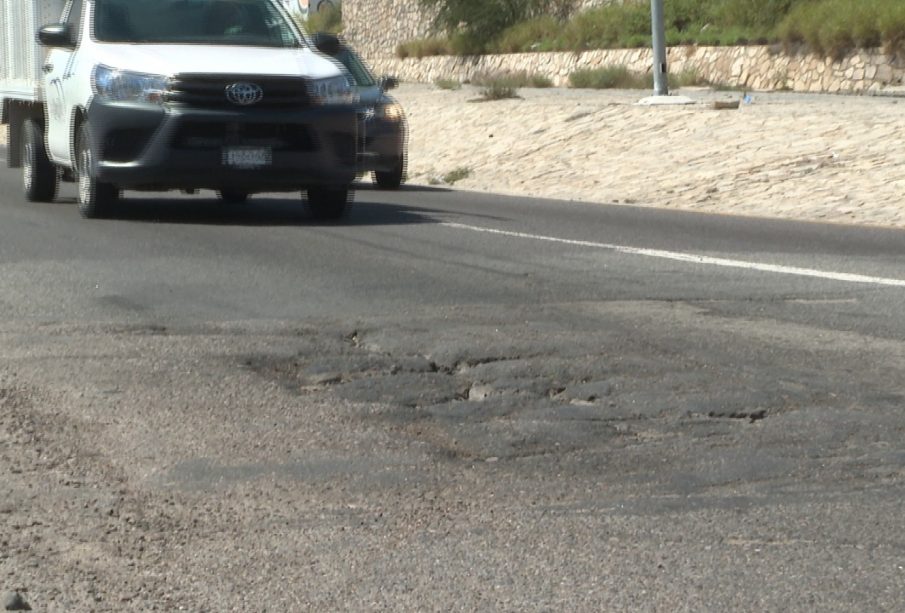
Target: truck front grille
{"type": "Point", "coordinates": [199, 135]}
{"type": "Point", "coordinates": [345, 147]}
{"type": "Point", "coordinates": [210, 91]}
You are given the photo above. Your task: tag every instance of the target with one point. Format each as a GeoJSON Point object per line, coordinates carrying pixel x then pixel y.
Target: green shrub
{"type": "Point", "coordinates": [457, 174]}
{"type": "Point", "coordinates": [620, 77]}
{"type": "Point", "coordinates": [708, 22]}
{"type": "Point", "coordinates": [757, 14]}
{"type": "Point", "coordinates": [791, 30]}
{"type": "Point", "coordinates": [687, 15]}
{"type": "Point", "coordinates": [329, 20]}
{"type": "Point", "coordinates": [450, 84]}
{"type": "Point", "coordinates": [866, 28]}
{"type": "Point", "coordinates": [892, 28]}
{"type": "Point", "coordinates": [424, 47]}
{"type": "Point", "coordinates": [830, 27]}
{"type": "Point", "coordinates": [468, 43]}
{"type": "Point", "coordinates": [533, 35]}
{"type": "Point", "coordinates": [715, 37]}
{"type": "Point", "coordinates": [539, 81]}
{"type": "Point", "coordinates": [836, 27]}
{"type": "Point", "coordinates": [476, 23]}
{"type": "Point", "coordinates": [834, 39]}
{"type": "Point", "coordinates": [512, 80]}
{"type": "Point", "coordinates": [498, 90]}
{"type": "Point", "coordinates": [605, 27]}
{"type": "Point", "coordinates": [610, 77]}
{"type": "Point", "coordinates": [687, 78]}
{"type": "Point", "coordinates": [636, 41]}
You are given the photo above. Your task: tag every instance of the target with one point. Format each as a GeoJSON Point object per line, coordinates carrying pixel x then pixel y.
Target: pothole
{"type": "Point", "coordinates": [468, 397]}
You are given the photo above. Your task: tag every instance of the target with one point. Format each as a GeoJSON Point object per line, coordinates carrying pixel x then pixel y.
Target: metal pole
{"type": "Point", "coordinates": [661, 84]}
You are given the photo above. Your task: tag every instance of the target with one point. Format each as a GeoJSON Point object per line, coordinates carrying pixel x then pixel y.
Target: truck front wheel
{"type": "Point", "coordinates": [329, 202]}
{"type": "Point", "coordinates": [393, 178]}
{"type": "Point", "coordinates": [39, 176]}
{"type": "Point", "coordinates": [96, 199]}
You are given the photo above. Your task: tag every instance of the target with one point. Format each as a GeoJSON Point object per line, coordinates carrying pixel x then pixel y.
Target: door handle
{"type": "Point", "coordinates": [47, 67]}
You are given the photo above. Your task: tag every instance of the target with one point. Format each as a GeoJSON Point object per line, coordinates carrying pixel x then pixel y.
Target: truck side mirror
{"type": "Point", "coordinates": [56, 35]}
{"type": "Point", "coordinates": [387, 82]}
{"type": "Point", "coordinates": [327, 43]}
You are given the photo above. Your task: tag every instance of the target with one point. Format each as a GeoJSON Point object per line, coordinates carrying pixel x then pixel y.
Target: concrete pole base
{"type": "Point", "coordinates": [665, 101]}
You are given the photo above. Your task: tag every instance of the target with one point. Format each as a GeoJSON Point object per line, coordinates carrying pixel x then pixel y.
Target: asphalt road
{"type": "Point", "coordinates": [449, 401]}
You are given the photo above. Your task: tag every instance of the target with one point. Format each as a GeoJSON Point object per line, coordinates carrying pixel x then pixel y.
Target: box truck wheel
{"type": "Point", "coordinates": [39, 176]}
{"type": "Point", "coordinates": [96, 199]}
{"type": "Point", "coordinates": [329, 202]}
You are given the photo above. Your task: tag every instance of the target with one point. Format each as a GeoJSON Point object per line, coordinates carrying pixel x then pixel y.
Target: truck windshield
{"type": "Point", "coordinates": [211, 22]}
{"type": "Point", "coordinates": [355, 67]}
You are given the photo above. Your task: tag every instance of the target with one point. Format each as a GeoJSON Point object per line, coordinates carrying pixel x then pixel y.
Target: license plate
{"type": "Point", "coordinates": [247, 157]}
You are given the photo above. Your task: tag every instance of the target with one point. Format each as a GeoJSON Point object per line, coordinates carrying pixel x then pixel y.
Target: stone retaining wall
{"type": "Point", "coordinates": [376, 27]}
{"type": "Point", "coordinates": [753, 67]}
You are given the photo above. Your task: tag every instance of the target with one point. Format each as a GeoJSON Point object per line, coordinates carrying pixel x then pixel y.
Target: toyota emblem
{"type": "Point", "coordinates": [244, 94]}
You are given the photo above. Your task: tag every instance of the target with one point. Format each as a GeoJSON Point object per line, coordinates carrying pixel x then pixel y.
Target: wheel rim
{"type": "Point", "coordinates": [28, 166]}
{"type": "Point", "coordinates": [84, 180]}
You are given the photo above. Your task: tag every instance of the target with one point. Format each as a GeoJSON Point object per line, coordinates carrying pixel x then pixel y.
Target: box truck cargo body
{"type": "Point", "coordinates": [228, 95]}
{"type": "Point", "coordinates": [20, 55]}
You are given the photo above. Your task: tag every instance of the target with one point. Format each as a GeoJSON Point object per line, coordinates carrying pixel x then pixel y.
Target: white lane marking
{"type": "Point", "coordinates": [692, 258]}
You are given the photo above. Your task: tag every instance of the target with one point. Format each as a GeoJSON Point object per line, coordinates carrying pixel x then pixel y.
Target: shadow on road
{"type": "Point", "coordinates": [404, 188]}
{"type": "Point", "coordinates": [264, 210]}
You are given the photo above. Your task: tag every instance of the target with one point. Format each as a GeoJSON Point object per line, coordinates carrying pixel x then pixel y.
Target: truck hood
{"type": "Point", "coordinates": [169, 60]}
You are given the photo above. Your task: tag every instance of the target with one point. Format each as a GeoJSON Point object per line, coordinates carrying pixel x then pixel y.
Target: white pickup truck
{"type": "Point", "coordinates": [228, 95]}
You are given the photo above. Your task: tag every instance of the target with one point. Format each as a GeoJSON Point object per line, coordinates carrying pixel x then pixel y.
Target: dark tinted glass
{"type": "Point", "coordinates": [356, 68]}
{"type": "Point", "coordinates": [218, 22]}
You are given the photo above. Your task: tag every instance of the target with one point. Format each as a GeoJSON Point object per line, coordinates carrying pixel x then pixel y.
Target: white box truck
{"type": "Point", "coordinates": [228, 95]}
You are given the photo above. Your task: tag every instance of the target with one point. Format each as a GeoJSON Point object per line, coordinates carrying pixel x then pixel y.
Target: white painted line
{"type": "Point", "coordinates": [692, 258]}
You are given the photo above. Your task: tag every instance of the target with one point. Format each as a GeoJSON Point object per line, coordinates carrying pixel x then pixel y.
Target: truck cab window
{"type": "Point", "coordinates": [74, 17]}
{"type": "Point", "coordinates": [113, 20]}
{"type": "Point", "coordinates": [217, 22]}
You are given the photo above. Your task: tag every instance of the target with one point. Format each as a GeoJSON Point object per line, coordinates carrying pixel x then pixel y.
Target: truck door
{"type": "Point", "coordinates": [58, 76]}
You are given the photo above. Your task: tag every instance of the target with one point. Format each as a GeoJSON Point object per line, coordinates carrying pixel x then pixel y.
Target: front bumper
{"type": "Point", "coordinates": [181, 147]}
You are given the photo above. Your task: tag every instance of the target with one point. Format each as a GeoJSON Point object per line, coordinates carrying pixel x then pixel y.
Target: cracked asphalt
{"type": "Point", "coordinates": [212, 408]}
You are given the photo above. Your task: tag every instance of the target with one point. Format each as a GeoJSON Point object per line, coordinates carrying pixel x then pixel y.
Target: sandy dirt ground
{"type": "Point", "coordinates": [807, 157]}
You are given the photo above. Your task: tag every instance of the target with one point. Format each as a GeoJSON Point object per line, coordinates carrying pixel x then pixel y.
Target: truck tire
{"type": "Point", "coordinates": [329, 202]}
{"type": "Point", "coordinates": [96, 199]}
{"type": "Point", "coordinates": [391, 179]}
{"type": "Point", "coordinates": [40, 178]}
{"type": "Point", "coordinates": [233, 196]}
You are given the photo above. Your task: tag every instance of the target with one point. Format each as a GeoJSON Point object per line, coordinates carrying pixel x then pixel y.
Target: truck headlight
{"type": "Point", "coordinates": [390, 112]}
{"type": "Point", "coordinates": [335, 90]}
{"type": "Point", "coordinates": [125, 86]}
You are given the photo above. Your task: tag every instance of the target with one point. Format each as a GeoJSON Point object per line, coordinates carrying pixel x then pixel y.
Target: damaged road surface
{"type": "Point", "coordinates": [212, 408]}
